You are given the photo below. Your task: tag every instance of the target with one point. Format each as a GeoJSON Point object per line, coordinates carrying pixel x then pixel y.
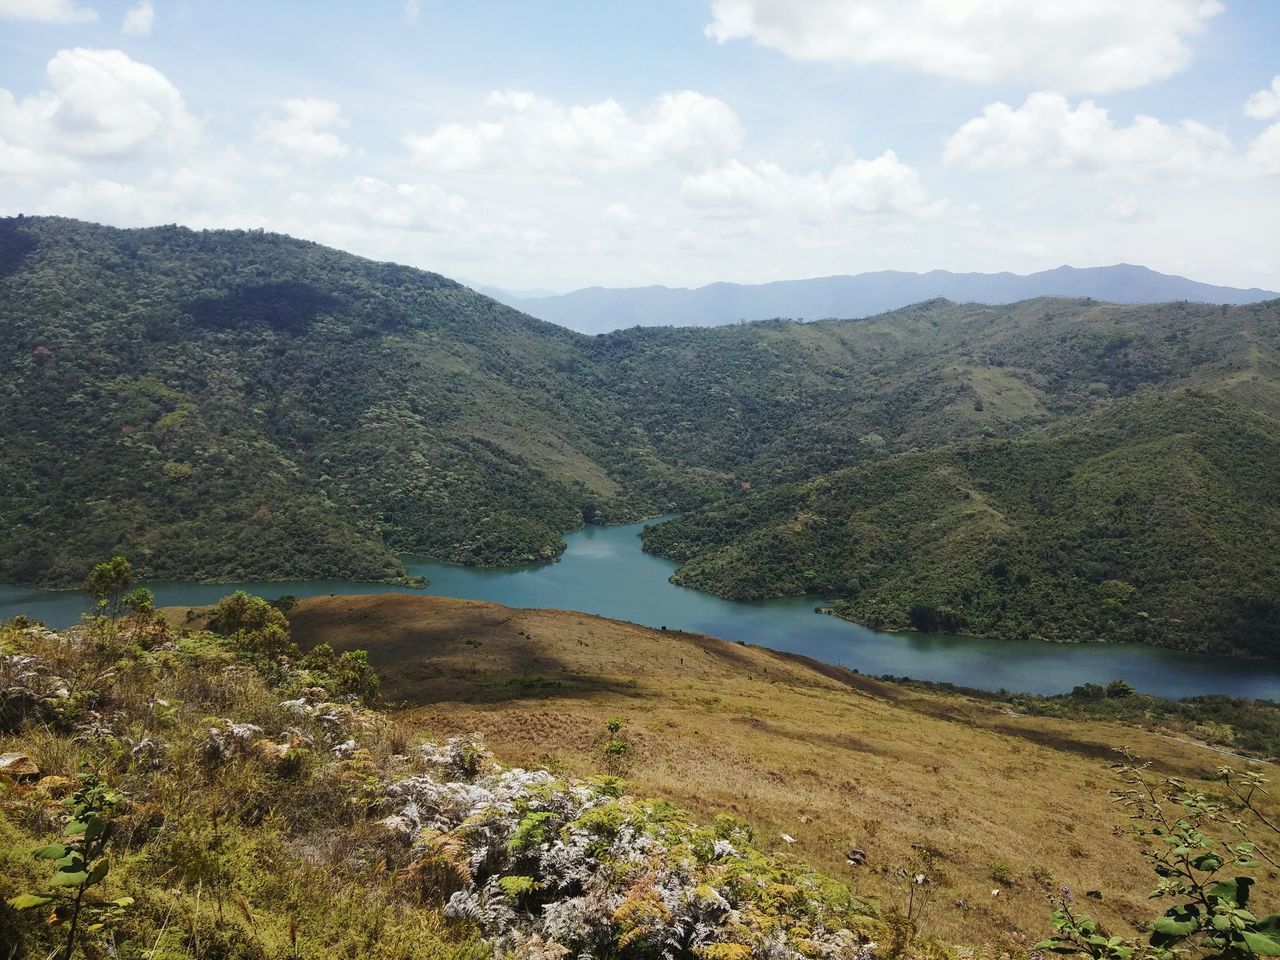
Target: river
{"type": "Point", "coordinates": [605, 571]}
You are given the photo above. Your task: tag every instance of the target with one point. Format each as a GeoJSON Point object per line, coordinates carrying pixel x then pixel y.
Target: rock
{"type": "Point", "coordinates": [397, 827]}
{"type": "Point", "coordinates": [788, 838]}
{"type": "Point", "coordinates": [55, 787]}
{"type": "Point", "coordinates": [856, 857]}
{"type": "Point", "coordinates": [1095, 894]}
{"type": "Point", "coordinates": [19, 766]}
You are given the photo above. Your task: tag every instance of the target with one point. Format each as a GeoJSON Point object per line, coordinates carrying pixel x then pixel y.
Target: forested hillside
{"type": "Point", "coordinates": [1154, 519]}
{"type": "Point", "coordinates": [235, 405]}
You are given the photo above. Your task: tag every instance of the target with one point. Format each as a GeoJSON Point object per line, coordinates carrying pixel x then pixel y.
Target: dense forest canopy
{"type": "Point", "coordinates": [235, 405]}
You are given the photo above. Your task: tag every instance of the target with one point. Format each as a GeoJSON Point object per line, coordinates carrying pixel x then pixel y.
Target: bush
{"type": "Point", "coordinates": [1119, 688]}
{"type": "Point", "coordinates": [343, 675]}
{"type": "Point", "coordinates": [253, 625]}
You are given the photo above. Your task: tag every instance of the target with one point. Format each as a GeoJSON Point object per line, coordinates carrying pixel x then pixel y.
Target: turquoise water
{"type": "Point", "coordinates": [605, 572]}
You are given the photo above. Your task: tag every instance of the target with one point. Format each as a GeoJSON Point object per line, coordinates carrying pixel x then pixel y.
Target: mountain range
{"type": "Point", "coordinates": [238, 405]}
{"type": "Point", "coordinates": [601, 309]}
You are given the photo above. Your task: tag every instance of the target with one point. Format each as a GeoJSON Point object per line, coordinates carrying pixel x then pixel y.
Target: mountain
{"type": "Point", "coordinates": [1095, 527]}
{"type": "Point", "coordinates": [601, 309]}
{"type": "Point", "coordinates": [232, 405]}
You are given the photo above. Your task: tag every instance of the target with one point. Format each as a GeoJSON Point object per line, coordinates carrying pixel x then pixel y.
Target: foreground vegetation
{"type": "Point", "coordinates": [979, 794]}
{"type": "Point", "coordinates": [213, 792]}
{"type": "Point", "coordinates": [231, 405]}
{"type": "Point", "coordinates": [197, 786]}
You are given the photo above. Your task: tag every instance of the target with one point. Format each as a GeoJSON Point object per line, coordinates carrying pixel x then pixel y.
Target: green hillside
{"type": "Point", "coordinates": [276, 409]}
{"type": "Point", "coordinates": [1154, 519]}
{"type": "Point", "coordinates": [237, 405]}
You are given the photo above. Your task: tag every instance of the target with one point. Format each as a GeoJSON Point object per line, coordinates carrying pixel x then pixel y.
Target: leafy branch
{"type": "Point", "coordinates": [1211, 917]}
{"type": "Point", "coordinates": [79, 864]}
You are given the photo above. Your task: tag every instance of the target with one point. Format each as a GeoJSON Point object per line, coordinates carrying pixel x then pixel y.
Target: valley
{"type": "Point", "coordinates": [713, 480]}
{"type": "Point", "coordinates": [285, 411]}
{"type": "Point", "coordinates": [604, 571]}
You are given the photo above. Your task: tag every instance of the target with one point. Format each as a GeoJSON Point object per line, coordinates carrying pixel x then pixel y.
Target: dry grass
{"type": "Point", "coordinates": [826, 756]}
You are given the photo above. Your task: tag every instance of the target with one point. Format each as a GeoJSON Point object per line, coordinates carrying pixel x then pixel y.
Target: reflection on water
{"type": "Point", "coordinates": [605, 572]}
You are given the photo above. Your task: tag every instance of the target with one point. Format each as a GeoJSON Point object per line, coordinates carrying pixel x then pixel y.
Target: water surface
{"type": "Point", "coordinates": [604, 571]}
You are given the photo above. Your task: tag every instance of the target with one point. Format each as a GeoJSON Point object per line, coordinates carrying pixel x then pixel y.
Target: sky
{"type": "Point", "coordinates": [557, 145]}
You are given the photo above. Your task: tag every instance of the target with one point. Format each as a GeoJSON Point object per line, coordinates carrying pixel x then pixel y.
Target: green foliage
{"type": "Point", "coordinates": [344, 675]}
{"type": "Point", "coordinates": [252, 624]}
{"type": "Point", "coordinates": [616, 746]}
{"type": "Point", "coordinates": [533, 831]}
{"type": "Point", "coordinates": [516, 887]}
{"type": "Point", "coordinates": [79, 864]}
{"type": "Point", "coordinates": [107, 583]}
{"type": "Point", "coordinates": [1119, 688]}
{"type": "Point", "coordinates": [139, 602]}
{"type": "Point", "coordinates": [238, 405]}
{"type": "Point", "coordinates": [1198, 870]}
{"type": "Point", "coordinates": [209, 788]}
{"type": "Point", "coordinates": [1249, 726]}
{"type": "Point", "coordinates": [1150, 520]}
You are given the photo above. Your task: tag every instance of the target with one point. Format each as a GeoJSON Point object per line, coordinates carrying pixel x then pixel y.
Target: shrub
{"type": "Point", "coordinates": [344, 675]}
{"type": "Point", "coordinates": [1117, 689]}
{"type": "Point", "coordinates": [252, 624]}
{"type": "Point", "coordinates": [1209, 880]}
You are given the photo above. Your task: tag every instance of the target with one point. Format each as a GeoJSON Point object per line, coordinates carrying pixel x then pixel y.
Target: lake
{"type": "Point", "coordinates": [605, 571]}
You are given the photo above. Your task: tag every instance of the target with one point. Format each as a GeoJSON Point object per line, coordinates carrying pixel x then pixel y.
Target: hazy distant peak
{"type": "Point", "coordinates": [600, 309]}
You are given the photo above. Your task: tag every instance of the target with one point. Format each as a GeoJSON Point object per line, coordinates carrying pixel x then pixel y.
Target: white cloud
{"type": "Point", "coordinates": [1264, 153]}
{"type": "Point", "coordinates": [46, 11]}
{"type": "Point", "coordinates": [139, 19]}
{"type": "Point", "coordinates": [1126, 209]}
{"type": "Point", "coordinates": [533, 135]}
{"type": "Point", "coordinates": [884, 185]}
{"type": "Point", "coordinates": [411, 10]}
{"type": "Point", "coordinates": [1264, 104]}
{"type": "Point", "coordinates": [101, 105]}
{"type": "Point", "coordinates": [305, 129]}
{"type": "Point", "coordinates": [1090, 45]}
{"type": "Point", "coordinates": [1047, 132]}
{"type": "Point", "coordinates": [368, 201]}
{"type": "Point", "coordinates": [619, 221]}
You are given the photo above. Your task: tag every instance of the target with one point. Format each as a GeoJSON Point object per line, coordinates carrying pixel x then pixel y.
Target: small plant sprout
{"type": "Point", "coordinates": [79, 864]}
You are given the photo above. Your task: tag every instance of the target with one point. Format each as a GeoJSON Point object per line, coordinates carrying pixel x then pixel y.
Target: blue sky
{"type": "Point", "coordinates": [559, 145]}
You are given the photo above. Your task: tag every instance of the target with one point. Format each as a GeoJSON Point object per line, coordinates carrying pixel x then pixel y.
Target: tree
{"type": "Point", "coordinates": [252, 624]}
{"type": "Point", "coordinates": [139, 605]}
{"type": "Point", "coordinates": [1119, 688]}
{"type": "Point", "coordinates": [107, 582]}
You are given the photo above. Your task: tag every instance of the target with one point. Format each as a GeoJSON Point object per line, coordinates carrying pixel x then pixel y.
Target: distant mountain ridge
{"type": "Point", "coordinates": [602, 309]}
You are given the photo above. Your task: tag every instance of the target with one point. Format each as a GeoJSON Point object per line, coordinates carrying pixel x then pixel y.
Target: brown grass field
{"type": "Point", "coordinates": [976, 797]}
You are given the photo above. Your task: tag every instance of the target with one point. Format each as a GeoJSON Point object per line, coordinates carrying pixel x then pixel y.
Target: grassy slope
{"type": "Point", "coordinates": [265, 811]}
{"type": "Point", "coordinates": [830, 758]}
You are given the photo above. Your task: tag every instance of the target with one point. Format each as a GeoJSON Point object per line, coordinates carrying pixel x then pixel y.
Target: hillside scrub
{"type": "Point", "coordinates": [255, 806]}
